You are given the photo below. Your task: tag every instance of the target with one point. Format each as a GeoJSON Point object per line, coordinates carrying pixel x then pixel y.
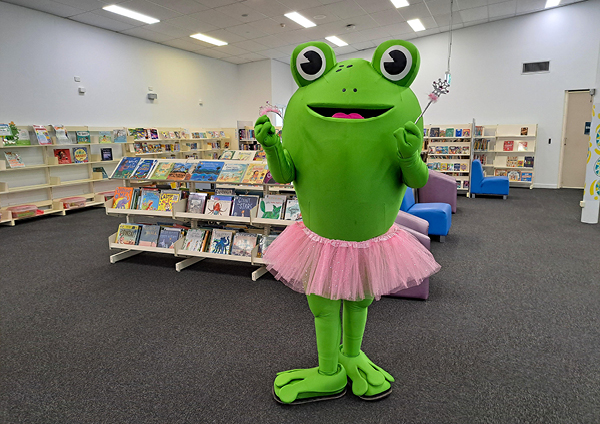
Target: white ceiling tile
{"type": "Point", "coordinates": [150, 9]}
{"type": "Point", "coordinates": [272, 53]}
{"type": "Point", "coordinates": [415, 11]}
{"type": "Point", "coordinates": [91, 18]}
{"type": "Point", "coordinates": [387, 17]}
{"type": "Point", "coordinates": [247, 31]}
{"type": "Point", "coordinates": [224, 35]}
{"type": "Point", "coordinates": [475, 14]}
{"type": "Point", "coordinates": [216, 3]}
{"type": "Point", "coordinates": [322, 31]}
{"type": "Point", "coordinates": [428, 32]}
{"type": "Point", "coordinates": [343, 50]}
{"type": "Point", "coordinates": [298, 5]}
{"type": "Point", "coordinates": [87, 5]}
{"type": "Point", "coordinates": [182, 6]}
{"type": "Point", "coordinates": [233, 50]}
{"type": "Point", "coordinates": [181, 43]}
{"type": "Point", "coordinates": [285, 60]}
{"type": "Point", "coordinates": [372, 6]}
{"type": "Point", "coordinates": [445, 28]}
{"type": "Point", "coordinates": [398, 29]}
{"type": "Point", "coordinates": [363, 45]}
{"type": "Point", "coordinates": [271, 41]}
{"type": "Point", "coordinates": [346, 9]}
{"type": "Point", "coordinates": [192, 25]}
{"type": "Point", "coordinates": [254, 57]}
{"type": "Point", "coordinates": [370, 34]}
{"type": "Point", "coordinates": [216, 53]}
{"type": "Point", "coordinates": [287, 50]}
{"type": "Point", "coordinates": [218, 19]}
{"type": "Point", "coordinates": [439, 7]}
{"type": "Point", "coordinates": [238, 11]}
{"type": "Point", "coordinates": [273, 25]}
{"type": "Point", "coordinates": [314, 12]}
{"type": "Point", "coordinates": [268, 7]}
{"type": "Point", "coordinates": [48, 6]}
{"type": "Point", "coordinates": [250, 45]}
{"type": "Point", "coordinates": [236, 60]}
{"type": "Point", "coordinates": [121, 18]}
{"type": "Point", "coordinates": [165, 28]}
{"type": "Point", "coordinates": [428, 23]}
{"type": "Point", "coordinates": [444, 20]}
{"type": "Point", "coordinates": [507, 8]}
{"type": "Point", "coordinates": [469, 4]}
{"type": "Point", "coordinates": [526, 6]}
{"type": "Point", "coordinates": [473, 23]}
{"type": "Point", "coordinates": [147, 35]}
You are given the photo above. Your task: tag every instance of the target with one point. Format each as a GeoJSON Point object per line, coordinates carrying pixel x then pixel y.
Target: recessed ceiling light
{"type": "Point", "coordinates": [336, 41]}
{"type": "Point", "coordinates": [317, 17]}
{"type": "Point", "coordinates": [299, 19]}
{"type": "Point", "coordinates": [208, 39]}
{"type": "Point", "coordinates": [552, 3]}
{"type": "Point", "coordinates": [400, 3]}
{"type": "Point", "coordinates": [130, 14]}
{"type": "Point", "coordinates": [416, 25]}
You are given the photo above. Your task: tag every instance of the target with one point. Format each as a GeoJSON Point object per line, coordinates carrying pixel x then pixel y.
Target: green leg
{"type": "Point", "coordinates": [329, 378]}
{"type": "Point", "coordinates": [368, 380]}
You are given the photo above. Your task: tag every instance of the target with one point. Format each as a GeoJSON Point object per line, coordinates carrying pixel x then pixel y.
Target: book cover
{"type": "Point", "coordinates": [120, 135]}
{"type": "Point", "coordinates": [524, 130]}
{"type": "Point", "coordinates": [5, 130]}
{"type": "Point", "coordinates": [434, 132]}
{"type": "Point", "coordinates": [220, 242]}
{"type": "Point", "coordinates": [122, 198]}
{"type": "Point", "coordinates": [500, 172]}
{"type": "Point", "coordinates": [63, 155]}
{"type": "Point", "coordinates": [528, 161]}
{"type": "Point", "coordinates": [242, 205]}
{"type": "Point", "coordinates": [22, 138]}
{"type": "Point", "coordinates": [162, 170]}
{"type": "Point", "coordinates": [260, 155]}
{"type": "Point", "coordinates": [167, 199]}
{"type": "Point", "coordinates": [463, 167]}
{"type": "Point", "coordinates": [459, 132]}
{"type": "Point", "coordinates": [149, 235]}
{"type": "Point", "coordinates": [456, 167]}
{"type": "Point", "coordinates": [526, 176]}
{"type": "Point", "coordinates": [195, 202]}
{"type": "Point", "coordinates": [228, 197]}
{"type": "Point", "coordinates": [149, 199]}
{"type": "Point", "coordinates": [194, 239]}
{"type": "Point", "coordinates": [137, 133]}
{"type": "Point", "coordinates": [466, 132]}
{"type": "Point", "coordinates": [206, 171]}
{"type": "Point", "coordinates": [42, 135]}
{"type": "Point", "coordinates": [264, 242]}
{"type": "Point", "coordinates": [522, 146]}
{"type": "Point", "coordinates": [168, 236]}
{"type": "Point", "coordinates": [449, 132]}
{"type": "Point", "coordinates": [232, 173]}
{"type": "Point", "coordinates": [478, 130]}
{"type": "Point", "coordinates": [106, 153]}
{"type": "Point", "coordinates": [269, 179]}
{"type": "Point", "coordinates": [514, 175]}
{"type": "Point", "coordinates": [126, 167]}
{"type": "Point", "coordinates": [143, 169]}
{"type": "Point", "coordinates": [80, 154]}
{"type": "Point", "coordinates": [128, 233]}
{"type": "Point", "coordinates": [511, 161]}
{"type": "Point", "coordinates": [61, 135]}
{"type": "Point", "coordinates": [101, 170]}
{"type": "Point", "coordinates": [227, 154]}
{"type": "Point", "coordinates": [243, 243]}
{"type": "Point", "coordinates": [104, 137]}
{"type": "Point", "coordinates": [509, 145]}
{"type": "Point", "coordinates": [217, 207]}
{"type": "Point", "coordinates": [520, 163]}
{"type": "Point", "coordinates": [14, 160]}
{"type": "Point", "coordinates": [270, 208]}
{"type": "Point", "coordinates": [292, 210]}
{"type": "Point", "coordinates": [255, 173]}
{"type": "Point", "coordinates": [153, 134]}
{"type": "Point", "coordinates": [83, 137]}
{"type": "Point", "coordinates": [246, 155]}
{"type": "Point", "coordinates": [179, 171]}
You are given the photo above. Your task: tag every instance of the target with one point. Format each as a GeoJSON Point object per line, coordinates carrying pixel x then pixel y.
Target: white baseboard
{"type": "Point", "coordinates": [537, 185]}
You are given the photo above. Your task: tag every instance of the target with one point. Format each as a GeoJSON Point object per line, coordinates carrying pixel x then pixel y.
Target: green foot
{"type": "Point", "coordinates": [309, 383]}
{"type": "Point", "coordinates": [368, 380]}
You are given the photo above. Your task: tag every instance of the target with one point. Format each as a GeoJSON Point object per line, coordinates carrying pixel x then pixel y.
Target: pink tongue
{"type": "Point", "coordinates": [349, 116]}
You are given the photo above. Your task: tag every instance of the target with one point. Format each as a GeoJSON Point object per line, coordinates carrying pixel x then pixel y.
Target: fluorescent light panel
{"type": "Point", "coordinates": [336, 41]}
{"type": "Point", "coordinates": [208, 39]}
{"type": "Point", "coordinates": [130, 14]}
{"type": "Point", "coordinates": [552, 3]}
{"type": "Point", "coordinates": [299, 19]}
{"type": "Point", "coordinates": [416, 25]}
{"type": "Point", "coordinates": [400, 3]}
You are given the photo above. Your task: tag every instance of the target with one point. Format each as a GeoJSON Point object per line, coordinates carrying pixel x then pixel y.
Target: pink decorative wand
{"type": "Point", "coordinates": [263, 110]}
{"type": "Point", "coordinates": [439, 87]}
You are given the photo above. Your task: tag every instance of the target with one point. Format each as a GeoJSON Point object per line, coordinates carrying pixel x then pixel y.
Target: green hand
{"type": "Point", "coordinates": [265, 132]}
{"type": "Point", "coordinates": [410, 140]}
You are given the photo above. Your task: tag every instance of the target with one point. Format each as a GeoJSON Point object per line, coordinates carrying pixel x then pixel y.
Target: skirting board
{"type": "Point", "coordinates": [536, 185]}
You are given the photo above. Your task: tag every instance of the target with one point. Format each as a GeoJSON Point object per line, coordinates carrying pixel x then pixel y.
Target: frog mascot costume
{"type": "Point", "coordinates": [351, 147]}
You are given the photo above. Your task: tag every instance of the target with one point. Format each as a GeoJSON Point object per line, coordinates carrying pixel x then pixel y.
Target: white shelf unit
{"type": "Point", "coordinates": [450, 154]}
{"type": "Point", "coordinates": [505, 149]}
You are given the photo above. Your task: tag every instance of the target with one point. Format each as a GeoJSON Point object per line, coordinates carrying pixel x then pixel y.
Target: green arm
{"type": "Point", "coordinates": [279, 160]}
{"type": "Point", "coordinates": [414, 171]}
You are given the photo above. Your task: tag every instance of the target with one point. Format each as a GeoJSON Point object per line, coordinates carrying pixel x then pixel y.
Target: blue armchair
{"type": "Point", "coordinates": [439, 215]}
{"type": "Point", "coordinates": [487, 185]}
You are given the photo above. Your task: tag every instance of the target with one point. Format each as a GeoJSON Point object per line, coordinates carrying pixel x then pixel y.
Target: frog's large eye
{"type": "Point", "coordinates": [310, 61]}
{"type": "Point", "coordinates": [398, 61]}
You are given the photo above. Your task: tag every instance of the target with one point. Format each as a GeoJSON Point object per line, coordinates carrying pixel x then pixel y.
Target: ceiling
{"type": "Point", "coordinates": [257, 30]}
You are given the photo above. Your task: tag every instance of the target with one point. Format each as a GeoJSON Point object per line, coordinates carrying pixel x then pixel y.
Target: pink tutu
{"type": "Point", "coordinates": [349, 270]}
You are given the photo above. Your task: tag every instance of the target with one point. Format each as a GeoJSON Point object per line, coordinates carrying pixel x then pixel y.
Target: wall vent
{"type": "Point", "coordinates": [536, 67]}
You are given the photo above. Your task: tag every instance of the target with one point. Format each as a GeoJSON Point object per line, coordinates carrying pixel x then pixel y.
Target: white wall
{"type": "Point", "coordinates": [282, 83]}
{"type": "Point", "coordinates": [41, 54]}
{"type": "Point", "coordinates": [486, 74]}
{"type": "Point", "coordinates": [255, 89]}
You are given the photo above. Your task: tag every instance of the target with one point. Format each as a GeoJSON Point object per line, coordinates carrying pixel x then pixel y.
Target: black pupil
{"type": "Point", "coordinates": [398, 64]}
{"type": "Point", "coordinates": [314, 63]}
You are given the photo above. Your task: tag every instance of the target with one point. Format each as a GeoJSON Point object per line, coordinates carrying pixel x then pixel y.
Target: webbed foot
{"type": "Point", "coordinates": [308, 385]}
{"type": "Point", "coordinates": [369, 381]}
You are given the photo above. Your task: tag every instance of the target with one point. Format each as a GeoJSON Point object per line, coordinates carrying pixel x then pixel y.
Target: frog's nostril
{"type": "Point", "coordinates": [355, 90]}
{"type": "Point", "coordinates": [343, 90]}
{"type": "Point", "coordinates": [338, 70]}
{"type": "Point", "coordinates": [349, 66]}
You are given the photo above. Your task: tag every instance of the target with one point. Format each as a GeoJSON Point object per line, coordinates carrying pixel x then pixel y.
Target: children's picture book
{"type": "Point", "coordinates": [524, 130]}
{"type": "Point", "coordinates": [220, 242]}
{"type": "Point", "coordinates": [162, 170]}
{"type": "Point", "coordinates": [500, 172]}
{"type": "Point", "coordinates": [101, 170]}
{"type": "Point", "coordinates": [195, 202]}
{"type": "Point", "coordinates": [120, 135]}
{"type": "Point", "coordinates": [83, 137]}
{"type": "Point", "coordinates": [194, 239]}
{"type": "Point", "coordinates": [5, 130]}
{"type": "Point", "coordinates": [153, 134]}
{"type": "Point", "coordinates": [449, 132]}
{"type": "Point", "coordinates": [526, 176]}
{"type": "Point", "coordinates": [465, 184]}
{"type": "Point", "coordinates": [42, 135]}
{"type": "Point", "coordinates": [104, 137]}
{"type": "Point", "coordinates": [270, 208]}
{"type": "Point", "coordinates": [80, 155]}
{"type": "Point", "coordinates": [227, 154]}
{"type": "Point", "coordinates": [511, 161]}
{"type": "Point", "coordinates": [260, 155]}
{"type": "Point", "coordinates": [126, 167]}
{"type": "Point", "coordinates": [478, 130]}
{"type": "Point", "coordinates": [122, 198]}
{"type": "Point", "coordinates": [179, 171]}
{"type": "Point", "coordinates": [61, 135]}
{"type": "Point", "coordinates": [106, 154]}
{"type": "Point", "coordinates": [434, 132]}
{"type": "Point", "coordinates": [232, 173]}
{"type": "Point", "coordinates": [244, 155]}
{"type": "Point", "coordinates": [466, 132]}
{"type": "Point", "coordinates": [168, 236]}
{"type": "Point", "coordinates": [514, 175]}
{"type": "Point", "coordinates": [243, 243]}
{"type": "Point", "coordinates": [149, 200]}
{"type": "Point", "coordinates": [255, 174]}
{"type": "Point", "coordinates": [459, 132]}
{"type": "Point", "coordinates": [167, 199]}
{"type": "Point", "coordinates": [149, 235]}
{"type": "Point", "coordinates": [207, 171]}
{"type": "Point", "coordinates": [143, 169]}
{"type": "Point", "coordinates": [509, 145]}
{"type": "Point", "coordinates": [243, 205]}
{"type": "Point", "coordinates": [522, 146]}
{"type": "Point", "coordinates": [521, 163]}
{"type": "Point", "coordinates": [463, 167]}
{"type": "Point", "coordinates": [264, 242]}
{"type": "Point", "coordinates": [128, 233]}
{"type": "Point", "coordinates": [137, 133]}
{"type": "Point", "coordinates": [456, 167]}
{"type": "Point", "coordinates": [217, 207]}
{"type": "Point", "coordinates": [292, 210]}
{"type": "Point", "coordinates": [14, 160]}
{"type": "Point", "coordinates": [63, 155]}
{"type": "Point", "coordinates": [269, 179]}
{"type": "Point", "coordinates": [23, 137]}
{"type": "Point", "coordinates": [528, 161]}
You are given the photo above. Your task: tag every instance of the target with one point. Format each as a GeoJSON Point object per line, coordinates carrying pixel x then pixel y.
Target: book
{"type": "Point", "coordinates": [244, 155]}
{"type": "Point", "coordinates": [206, 171]}
{"type": "Point", "coordinates": [264, 242]}
{"type": "Point", "coordinates": [179, 171]}
{"type": "Point", "coordinates": [42, 135]}
{"type": "Point", "coordinates": [227, 154]}
{"type": "Point", "coordinates": [217, 207]}
{"type": "Point", "coordinates": [195, 202]}
{"type": "Point", "coordinates": [106, 154]}
{"type": "Point", "coordinates": [61, 135]}
{"type": "Point", "coordinates": [511, 161]}
{"type": "Point", "coordinates": [167, 199]}
{"type": "Point", "coordinates": [465, 184]}
{"type": "Point", "coordinates": [14, 160]}
{"type": "Point", "coordinates": [520, 163]}
{"type": "Point", "coordinates": [22, 137]}
{"type": "Point", "coordinates": [528, 161]}
{"type": "Point", "coordinates": [449, 132]}
{"type": "Point", "coordinates": [459, 132]}
{"type": "Point", "coordinates": [120, 135]}
{"type": "Point", "coordinates": [500, 172]}
{"type": "Point", "coordinates": [260, 155]}
{"type": "Point", "coordinates": [80, 154]}
{"type": "Point", "coordinates": [514, 175]}
{"type": "Point", "coordinates": [478, 130]}
{"type": "Point", "coordinates": [270, 208]}
{"type": "Point", "coordinates": [524, 130]}
{"type": "Point", "coordinates": [292, 210]}
{"type": "Point", "coordinates": [434, 132]}
{"type": "Point", "coordinates": [269, 179]}
{"type": "Point", "coordinates": [153, 134]}
{"type": "Point", "coordinates": [509, 145]}
{"type": "Point", "coordinates": [126, 167]}
{"type": "Point", "coordinates": [83, 137]}
{"type": "Point", "coordinates": [255, 174]}
{"type": "Point", "coordinates": [526, 176]}
{"type": "Point", "coordinates": [194, 239]}
{"type": "Point", "coordinates": [232, 173]}
{"type": "Point", "coordinates": [143, 169]}
{"type": "Point", "coordinates": [243, 243]}
{"type": "Point", "coordinates": [466, 132]}
{"type": "Point", "coordinates": [168, 236]}
{"type": "Point", "coordinates": [101, 170]}
{"type": "Point", "coordinates": [137, 133]}
{"type": "Point", "coordinates": [104, 137]}
{"type": "Point", "coordinates": [5, 130]}
{"type": "Point", "coordinates": [162, 170]}
{"type": "Point", "coordinates": [149, 235]}
{"type": "Point", "coordinates": [122, 198]}
{"type": "Point", "coordinates": [522, 146]}
{"type": "Point", "coordinates": [243, 205]}
{"type": "Point", "coordinates": [128, 233]}
{"type": "Point", "coordinates": [220, 241]}
{"type": "Point", "coordinates": [149, 199]}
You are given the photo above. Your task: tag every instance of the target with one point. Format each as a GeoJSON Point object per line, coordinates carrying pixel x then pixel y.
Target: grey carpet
{"type": "Point", "coordinates": [510, 333]}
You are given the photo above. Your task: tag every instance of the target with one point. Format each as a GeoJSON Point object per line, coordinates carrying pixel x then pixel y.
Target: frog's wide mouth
{"type": "Point", "coordinates": [349, 113]}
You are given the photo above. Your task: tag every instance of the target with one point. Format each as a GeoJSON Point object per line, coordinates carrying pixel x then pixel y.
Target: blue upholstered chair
{"type": "Point", "coordinates": [439, 215]}
{"type": "Point", "coordinates": [487, 185]}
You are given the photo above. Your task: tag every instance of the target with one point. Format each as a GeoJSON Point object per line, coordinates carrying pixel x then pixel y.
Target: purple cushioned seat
{"type": "Point", "coordinates": [440, 188]}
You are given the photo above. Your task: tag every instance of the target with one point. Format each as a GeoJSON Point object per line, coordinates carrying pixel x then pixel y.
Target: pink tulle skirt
{"type": "Point", "coordinates": [349, 270]}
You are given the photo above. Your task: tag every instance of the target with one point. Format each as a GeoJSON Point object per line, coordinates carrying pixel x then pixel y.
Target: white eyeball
{"type": "Point", "coordinates": [311, 63]}
{"type": "Point", "coordinates": [396, 62]}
